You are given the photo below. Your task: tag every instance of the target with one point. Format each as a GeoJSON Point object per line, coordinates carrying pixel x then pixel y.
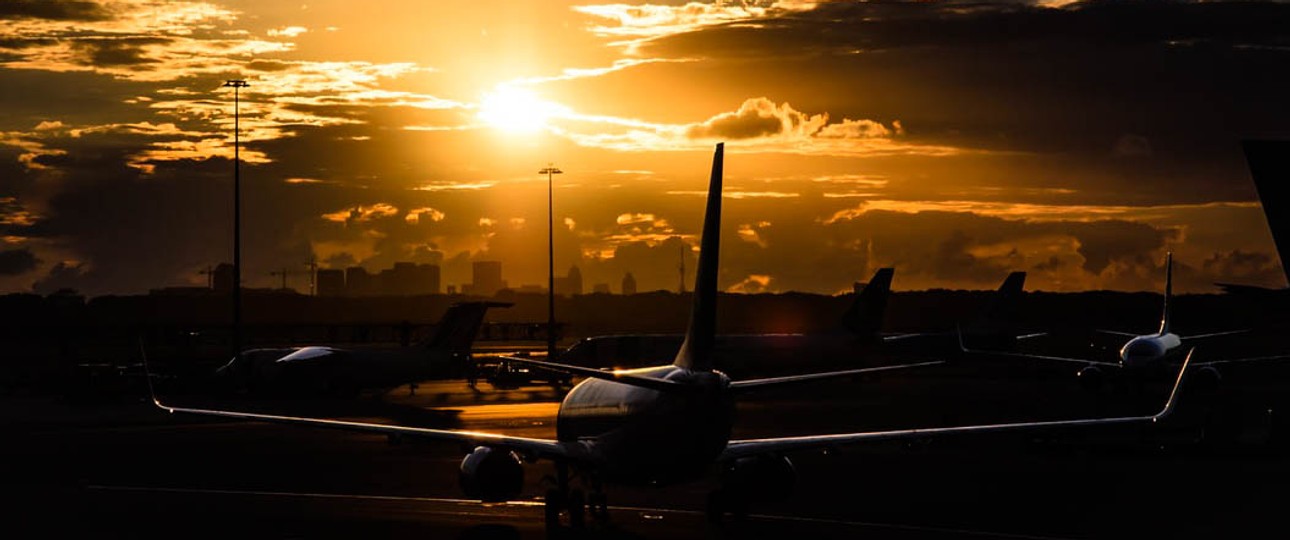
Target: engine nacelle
{"type": "Point", "coordinates": [760, 478]}
{"type": "Point", "coordinates": [492, 475]}
{"type": "Point", "coordinates": [1091, 378]}
{"type": "Point", "coordinates": [1207, 379]}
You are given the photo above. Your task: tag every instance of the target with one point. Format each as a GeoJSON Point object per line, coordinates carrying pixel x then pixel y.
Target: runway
{"type": "Point", "coordinates": [148, 475]}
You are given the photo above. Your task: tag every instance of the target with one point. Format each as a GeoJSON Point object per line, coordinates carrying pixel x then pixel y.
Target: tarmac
{"type": "Point", "coordinates": [125, 469]}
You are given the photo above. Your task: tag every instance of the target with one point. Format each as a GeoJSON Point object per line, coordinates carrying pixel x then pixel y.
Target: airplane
{"type": "Point", "coordinates": [660, 425]}
{"type": "Point", "coordinates": [338, 372]}
{"type": "Point", "coordinates": [1142, 351]}
{"type": "Point", "coordinates": [856, 338]}
{"type": "Point", "coordinates": [1269, 162]}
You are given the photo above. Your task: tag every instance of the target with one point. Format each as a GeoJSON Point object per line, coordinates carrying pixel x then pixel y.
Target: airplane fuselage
{"type": "Point", "coordinates": [645, 436]}
{"type": "Point", "coordinates": [1143, 351]}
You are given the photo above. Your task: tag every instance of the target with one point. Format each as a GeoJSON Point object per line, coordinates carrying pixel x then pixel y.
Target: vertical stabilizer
{"type": "Point", "coordinates": [1169, 292]}
{"type": "Point", "coordinates": [1270, 168]}
{"type": "Point", "coordinates": [696, 351]}
{"type": "Point", "coordinates": [456, 330]}
{"type": "Point", "coordinates": [1004, 307]}
{"type": "Point", "coordinates": [864, 317]}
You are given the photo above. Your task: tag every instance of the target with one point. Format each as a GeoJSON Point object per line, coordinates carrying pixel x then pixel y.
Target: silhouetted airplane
{"type": "Point", "coordinates": [320, 370]}
{"type": "Point", "coordinates": [856, 340]}
{"type": "Point", "coordinates": [1269, 163]}
{"type": "Point", "coordinates": [659, 425]}
{"type": "Point", "coordinates": [1141, 351]}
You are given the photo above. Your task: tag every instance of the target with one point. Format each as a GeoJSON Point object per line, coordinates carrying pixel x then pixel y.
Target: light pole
{"type": "Point", "coordinates": [237, 84]}
{"type": "Point", "coordinates": [550, 170]}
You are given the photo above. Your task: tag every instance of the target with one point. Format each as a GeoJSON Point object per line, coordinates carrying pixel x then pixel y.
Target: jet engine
{"type": "Point", "coordinates": [492, 475]}
{"type": "Point", "coordinates": [1091, 378]}
{"type": "Point", "coordinates": [760, 478]}
{"type": "Point", "coordinates": [1207, 379]}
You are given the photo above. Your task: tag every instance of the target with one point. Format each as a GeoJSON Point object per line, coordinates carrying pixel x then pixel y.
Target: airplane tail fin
{"type": "Point", "coordinates": [1003, 308]}
{"type": "Point", "coordinates": [696, 350]}
{"type": "Point", "coordinates": [1269, 163]}
{"type": "Point", "coordinates": [1169, 292]}
{"type": "Point", "coordinates": [864, 317]}
{"type": "Point", "coordinates": [996, 325]}
{"type": "Point", "coordinates": [456, 330]}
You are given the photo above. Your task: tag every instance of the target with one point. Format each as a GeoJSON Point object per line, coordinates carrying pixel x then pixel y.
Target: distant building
{"type": "Point", "coordinates": [330, 281]}
{"type": "Point", "coordinates": [570, 284]}
{"type": "Point", "coordinates": [223, 278]}
{"type": "Point", "coordinates": [600, 288]}
{"type": "Point", "coordinates": [629, 284]}
{"type": "Point", "coordinates": [406, 279]}
{"type": "Point", "coordinates": [358, 282]}
{"type": "Point", "coordinates": [486, 278]}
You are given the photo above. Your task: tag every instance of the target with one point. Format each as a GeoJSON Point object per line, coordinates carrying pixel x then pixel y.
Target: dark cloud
{"type": "Point", "coordinates": [116, 52]}
{"type": "Point", "coordinates": [17, 261]}
{"type": "Point", "coordinates": [755, 118]}
{"type": "Point", "coordinates": [1245, 268]}
{"type": "Point", "coordinates": [57, 10]}
{"type": "Point", "coordinates": [63, 276]}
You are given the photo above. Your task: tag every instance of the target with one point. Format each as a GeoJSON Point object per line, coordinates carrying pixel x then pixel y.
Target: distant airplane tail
{"type": "Point", "coordinates": [1169, 292]}
{"type": "Point", "coordinates": [456, 330]}
{"type": "Point", "coordinates": [864, 317]}
{"type": "Point", "coordinates": [1269, 163]}
{"type": "Point", "coordinates": [997, 324]}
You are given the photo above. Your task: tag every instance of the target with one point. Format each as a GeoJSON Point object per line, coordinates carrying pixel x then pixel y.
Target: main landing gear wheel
{"type": "Point", "coordinates": [577, 510]}
{"type": "Point", "coordinates": [721, 502]}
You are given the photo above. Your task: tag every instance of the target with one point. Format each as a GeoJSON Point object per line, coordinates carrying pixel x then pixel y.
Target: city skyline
{"type": "Point", "coordinates": [1077, 141]}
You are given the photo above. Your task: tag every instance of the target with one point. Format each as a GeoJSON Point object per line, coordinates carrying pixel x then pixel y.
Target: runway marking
{"type": "Point", "coordinates": [645, 512]}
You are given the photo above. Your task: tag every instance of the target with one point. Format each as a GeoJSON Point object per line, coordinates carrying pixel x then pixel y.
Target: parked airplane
{"type": "Point", "coordinates": [335, 371]}
{"type": "Point", "coordinates": [1140, 352]}
{"type": "Point", "coordinates": [659, 425]}
{"type": "Point", "coordinates": [856, 340]}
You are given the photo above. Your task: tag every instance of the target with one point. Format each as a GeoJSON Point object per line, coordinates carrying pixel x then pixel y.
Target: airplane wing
{"type": "Point", "coordinates": [1243, 360]}
{"type": "Point", "coordinates": [625, 377]}
{"type": "Point", "coordinates": [1081, 361]}
{"type": "Point", "coordinates": [535, 448]}
{"type": "Point", "coordinates": [750, 447]}
{"type": "Point", "coordinates": [776, 382]}
{"type": "Point", "coordinates": [1217, 334]}
{"type": "Point", "coordinates": [1117, 333]}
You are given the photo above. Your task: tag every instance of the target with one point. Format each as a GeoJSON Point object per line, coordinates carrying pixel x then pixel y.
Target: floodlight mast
{"type": "Point", "coordinates": [550, 170]}
{"type": "Point", "coordinates": [237, 84]}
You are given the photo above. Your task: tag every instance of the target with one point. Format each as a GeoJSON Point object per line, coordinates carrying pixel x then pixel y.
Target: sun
{"type": "Point", "coordinates": [516, 110]}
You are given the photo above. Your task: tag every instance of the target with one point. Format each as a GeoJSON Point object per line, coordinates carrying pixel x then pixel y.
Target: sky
{"type": "Point", "coordinates": [954, 141]}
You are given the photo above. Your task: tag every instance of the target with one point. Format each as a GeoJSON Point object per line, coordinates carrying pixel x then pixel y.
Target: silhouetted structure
{"type": "Point", "coordinates": [331, 282]}
{"type": "Point", "coordinates": [629, 284]}
{"type": "Point", "coordinates": [571, 284]}
{"type": "Point", "coordinates": [358, 282]}
{"type": "Point", "coordinates": [600, 288]}
{"type": "Point", "coordinates": [486, 278]}
{"type": "Point", "coordinates": [223, 277]}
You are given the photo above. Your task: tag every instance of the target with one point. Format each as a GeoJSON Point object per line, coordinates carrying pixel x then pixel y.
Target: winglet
{"type": "Point", "coordinates": [1169, 291]}
{"type": "Point", "coordinates": [1172, 404]}
{"type": "Point", "coordinates": [147, 376]}
{"type": "Point", "coordinates": [696, 351]}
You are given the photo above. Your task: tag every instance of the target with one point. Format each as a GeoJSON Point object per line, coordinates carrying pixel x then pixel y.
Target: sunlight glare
{"type": "Point", "coordinates": [516, 110]}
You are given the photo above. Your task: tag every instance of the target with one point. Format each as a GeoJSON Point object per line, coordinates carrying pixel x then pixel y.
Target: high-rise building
{"type": "Point", "coordinates": [570, 284]}
{"type": "Point", "coordinates": [331, 282]}
{"type": "Point", "coordinates": [629, 284]}
{"type": "Point", "coordinates": [358, 282]}
{"type": "Point", "coordinates": [486, 278]}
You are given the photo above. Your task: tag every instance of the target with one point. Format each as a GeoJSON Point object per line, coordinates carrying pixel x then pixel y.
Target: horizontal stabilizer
{"type": "Point", "coordinates": [624, 377]}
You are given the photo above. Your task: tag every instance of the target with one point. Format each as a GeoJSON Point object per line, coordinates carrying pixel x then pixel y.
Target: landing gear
{"type": "Point", "coordinates": [722, 501]}
{"type": "Point", "coordinates": [562, 499]}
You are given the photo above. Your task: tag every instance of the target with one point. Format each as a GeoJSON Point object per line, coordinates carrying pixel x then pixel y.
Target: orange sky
{"type": "Point", "coordinates": [956, 142]}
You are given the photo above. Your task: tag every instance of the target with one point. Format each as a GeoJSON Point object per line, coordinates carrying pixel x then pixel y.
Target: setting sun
{"type": "Point", "coordinates": [516, 110]}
